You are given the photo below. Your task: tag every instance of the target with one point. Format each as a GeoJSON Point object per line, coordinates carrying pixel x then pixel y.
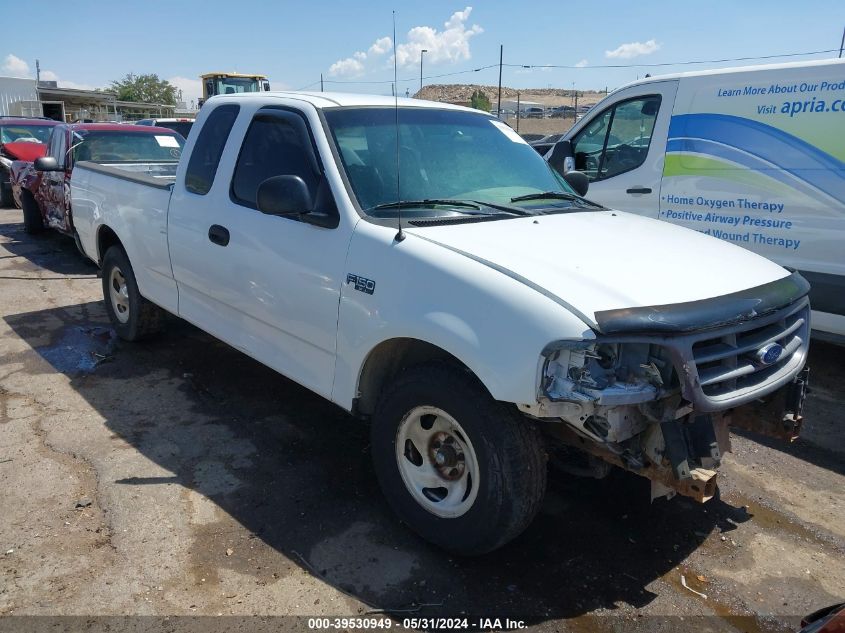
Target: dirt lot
{"type": "Point", "coordinates": [179, 477]}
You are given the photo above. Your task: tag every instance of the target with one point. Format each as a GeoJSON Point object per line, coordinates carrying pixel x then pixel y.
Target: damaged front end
{"type": "Point", "coordinates": [659, 402]}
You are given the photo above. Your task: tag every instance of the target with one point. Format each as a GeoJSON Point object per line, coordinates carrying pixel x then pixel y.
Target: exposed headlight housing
{"type": "Point", "coordinates": [604, 372]}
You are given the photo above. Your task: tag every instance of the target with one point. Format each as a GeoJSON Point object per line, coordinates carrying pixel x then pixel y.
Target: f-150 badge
{"type": "Point", "coordinates": [361, 284]}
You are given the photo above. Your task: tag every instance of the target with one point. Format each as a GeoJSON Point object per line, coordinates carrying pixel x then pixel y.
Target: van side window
{"type": "Point", "coordinates": [208, 149]}
{"type": "Point", "coordinates": [274, 145]}
{"type": "Point", "coordinates": [618, 139]}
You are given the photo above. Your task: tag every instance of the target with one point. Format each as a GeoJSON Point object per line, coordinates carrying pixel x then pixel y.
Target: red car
{"type": "Point", "coordinates": [43, 187]}
{"type": "Point", "coordinates": [23, 139]}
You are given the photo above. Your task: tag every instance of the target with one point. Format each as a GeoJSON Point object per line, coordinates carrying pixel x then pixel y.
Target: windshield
{"type": "Point", "coordinates": [25, 133]}
{"type": "Point", "coordinates": [233, 85]}
{"type": "Point", "coordinates": [444, 155]}
{"type": "Point", "coordinates": [106, 146]}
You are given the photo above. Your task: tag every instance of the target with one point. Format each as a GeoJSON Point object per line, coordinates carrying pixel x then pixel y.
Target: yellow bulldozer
{"type": "Point", "coordinates": [231, 83]}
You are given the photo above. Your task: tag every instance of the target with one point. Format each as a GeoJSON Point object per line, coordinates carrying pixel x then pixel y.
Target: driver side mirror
{"type": "Point", "coordinates": [47, 163]}
{"type": "Point", "coordinates": [284, 196]}
{"type": "Point", "coordinates": [266, 86]}
{"type": "Point", "coordinates": [562, 158]}
{"type": "Point", "coordinates": [209, 88]}
{"type": "Point", "coordinates": [578, 181]}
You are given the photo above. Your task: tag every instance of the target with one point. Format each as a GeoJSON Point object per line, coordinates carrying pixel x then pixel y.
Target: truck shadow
{"type": "Point", "coordinates": [49, 251]}
{"type": "Point", "coordinates": [294, 471]}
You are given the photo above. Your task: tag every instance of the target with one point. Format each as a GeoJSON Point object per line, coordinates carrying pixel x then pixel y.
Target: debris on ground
{"type": "Point", "coordinates": [688, 588]}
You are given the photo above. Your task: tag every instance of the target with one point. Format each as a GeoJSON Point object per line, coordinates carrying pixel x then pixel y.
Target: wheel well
{"type": "Point", "coordinates": [106, 238]}
{"type": "Point", "coordinates": [387, 360]}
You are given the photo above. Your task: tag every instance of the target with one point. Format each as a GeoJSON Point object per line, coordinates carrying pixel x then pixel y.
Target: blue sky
{"type": "Point", "coordinates": [293, 42]}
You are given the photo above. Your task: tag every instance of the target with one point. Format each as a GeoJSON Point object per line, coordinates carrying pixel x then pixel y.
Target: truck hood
{"type": "Point", "coordinates": [606, 260]}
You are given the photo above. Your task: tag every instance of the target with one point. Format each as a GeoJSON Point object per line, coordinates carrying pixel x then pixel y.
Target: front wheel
{"type": "Point", "coordinates": [33, 222]}
{"type": "Point", "coordinates": [132, 316]}
{"type": "Point", "coordinates": [464, 471]}
{"type": "Point", "coordinates": [6, 198]}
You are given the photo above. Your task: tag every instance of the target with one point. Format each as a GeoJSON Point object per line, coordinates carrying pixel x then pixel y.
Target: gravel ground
{"type": "Point", "coordinates": [179, 477]}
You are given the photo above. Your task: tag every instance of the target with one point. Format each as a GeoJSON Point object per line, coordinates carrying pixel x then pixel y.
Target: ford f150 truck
{"type": "Point", "coordinates": [421, 266]}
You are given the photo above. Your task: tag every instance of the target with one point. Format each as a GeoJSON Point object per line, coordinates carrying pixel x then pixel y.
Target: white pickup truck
{"type": "Point", "coordinates": [422, 267]}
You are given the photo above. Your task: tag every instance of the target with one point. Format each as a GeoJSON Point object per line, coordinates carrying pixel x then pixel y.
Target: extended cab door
{"type": "Point", "coordinates": [622, 144]}
{"type": "Point", "coordinates": [268, 285]}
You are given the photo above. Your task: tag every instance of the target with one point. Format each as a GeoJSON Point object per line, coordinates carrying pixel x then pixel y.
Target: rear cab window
{"type": "Point", "coordinates": [208, 148]}
{"type": "Point", "coordinates": [110, 146]}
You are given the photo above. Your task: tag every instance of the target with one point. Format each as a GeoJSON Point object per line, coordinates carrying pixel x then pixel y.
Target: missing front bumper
{"type": "Point", "coordinates": [778, 415]}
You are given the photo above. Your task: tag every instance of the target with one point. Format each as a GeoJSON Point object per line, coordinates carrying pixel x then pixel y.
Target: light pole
{"type": "Point", "coordinates": [422, 52]}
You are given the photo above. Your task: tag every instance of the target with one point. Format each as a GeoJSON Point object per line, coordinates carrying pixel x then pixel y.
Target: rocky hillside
{"type": "Point", "coordinates": [462, 92]}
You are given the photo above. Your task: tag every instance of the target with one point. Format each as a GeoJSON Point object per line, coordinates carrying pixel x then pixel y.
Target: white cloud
{"type": "Point", "coordinates": [349, 67]}
{"type": "Point", "coordinates": [191, 88]}
{"type": "Point", "coordinates": [633, 49]}
{"type": "Point", "coordinates": [449, 45]}
{"type": "Point", "coordinates": [582, 64]}
{"type": "Point", "coordinates": [354, 66]}
{"type": "Point", "coordinates": [14, 66]}
{"type": "Point", "coordinates": [381, 46]}
{"type": "Point", "coordinates": [72, 84]}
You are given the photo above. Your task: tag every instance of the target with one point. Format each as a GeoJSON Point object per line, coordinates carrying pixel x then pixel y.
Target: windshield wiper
{"type": "Point", "coordinates": [428, 202]}
{"type": "Point", "coordinates": [548, 195]}
{"type": "Point", "coordinates": [459, 205]}
{"type": "Point", "coordinates": [505, 208]}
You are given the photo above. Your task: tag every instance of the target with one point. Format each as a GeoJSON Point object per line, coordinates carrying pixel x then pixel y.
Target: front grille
{"type": "Point", "coordinates": [725, 361]}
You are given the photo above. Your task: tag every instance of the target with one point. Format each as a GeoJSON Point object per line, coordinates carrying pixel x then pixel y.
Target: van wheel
{"type": "Point", "coordinates": [464, 471]}
{"type": "Point", "coordinates": [7, 200]}
{"type": "Point", "coordinates": [132, 316]}
{"type": "Point", "coordinates": [32, 221]}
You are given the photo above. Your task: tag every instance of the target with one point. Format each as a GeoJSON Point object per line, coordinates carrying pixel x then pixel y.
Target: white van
{"type": "Point", "coordinates": [752, 155]}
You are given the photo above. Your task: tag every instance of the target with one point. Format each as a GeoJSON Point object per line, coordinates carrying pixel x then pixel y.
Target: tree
{"type": "Point", "coordinates": [146, 88]}
{"type": "Point", "coordinates": [479, 101]}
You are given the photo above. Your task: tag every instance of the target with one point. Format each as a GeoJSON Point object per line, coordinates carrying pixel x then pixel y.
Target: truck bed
{"type": "Point", "coordinates": [160, 175]}
{"type": "Point", "coordinates": [127, 197]}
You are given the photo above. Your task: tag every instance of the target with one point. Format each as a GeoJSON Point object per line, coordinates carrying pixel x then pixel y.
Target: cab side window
{"type": "Point", "coordinates": [618, 139]}
{"type": "Point", "coordinates": [275, 145]}
{"type": "Point", "coordinates": [208, 149]}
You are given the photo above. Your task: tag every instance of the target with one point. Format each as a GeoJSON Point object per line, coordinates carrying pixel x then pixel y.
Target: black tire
{"type": "Point", "coordinates": [508, 448]}
{"type": "Point", "coordinates": [33, 222]}
{"type": "Point", "coordinates": [7, 200]}
{"type": "Point", "coordinates": [140, 318]}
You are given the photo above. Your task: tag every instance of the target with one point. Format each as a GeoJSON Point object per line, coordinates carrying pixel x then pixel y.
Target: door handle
{"type": "Point", "coordinates": [638, 190]}
{"type": "Point", "coordinates": [218, 234]}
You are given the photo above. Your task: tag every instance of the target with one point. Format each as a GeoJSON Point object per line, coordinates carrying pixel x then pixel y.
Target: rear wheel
{"type": "Point", "coordinates": [464, 471]}
{"type": "Point", "coordinates": [132, 316]}
{"type": "Point", "coordinates": [32, 221]}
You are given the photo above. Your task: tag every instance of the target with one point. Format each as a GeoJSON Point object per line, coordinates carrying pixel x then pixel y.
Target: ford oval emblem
{"type": "Point", "coordinates": [769, 354]}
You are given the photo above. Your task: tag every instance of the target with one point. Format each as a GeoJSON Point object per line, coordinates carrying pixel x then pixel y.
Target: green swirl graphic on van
{"type": "Point", "coordinates": [728, 142]}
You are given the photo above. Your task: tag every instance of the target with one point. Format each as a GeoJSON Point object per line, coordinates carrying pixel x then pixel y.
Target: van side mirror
{"type": "Point", "coordinates": [562, 158]}
{"type": "Point", "coordinates": [266, 86]}
{"type": "Point", "coordinates": [47, 163]}
{"type": "Point", "coordinates": [284, 195]}
{"type": "Point", "coordinates": [578, 181]}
